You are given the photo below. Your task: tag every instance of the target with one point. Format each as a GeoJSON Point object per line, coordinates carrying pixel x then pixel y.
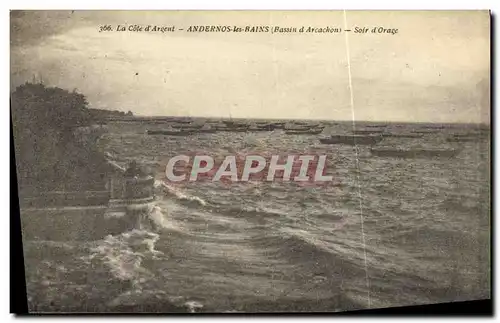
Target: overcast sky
{"type": "Point", "coordinates": [436, 68]}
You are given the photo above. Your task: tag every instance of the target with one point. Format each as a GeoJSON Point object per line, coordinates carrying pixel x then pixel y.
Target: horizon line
{"type": "Point", "coordinates": [300, 119]}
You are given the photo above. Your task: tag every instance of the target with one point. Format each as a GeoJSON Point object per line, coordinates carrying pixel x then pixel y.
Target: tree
{"type": "Point", "coordinates": [53, 107]}
{"type": "Point", "coordinates": [44, 120]}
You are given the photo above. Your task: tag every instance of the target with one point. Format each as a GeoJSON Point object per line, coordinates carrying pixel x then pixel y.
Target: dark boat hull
{"type": "Point", "coordinates": [262, 127]}
{"type": "Point", "coordinates": [303, 132]}
{"type": "Point", "coordinates": [463, 139]}
{"type": "Point", "coordinates": [414, 135]}
{"type": "Point", "coordinates": [169, 133]}
{"type": "Point", "coordinates": [224, 129]}
{"type": "Point", "coordinates": [269, 127]}
{"type": "Point", "coordinates": [426, 132]}
{"type": "Point", "coordinates": [234, 124]}
{"type": "Point", "coordinates": [468, 137]}
{"type": "Point", "coordinates": [433, 127]}
{"type": "Point", "coordinates": [414, 153]}
{"type": "Point", "coordinates": [259, 129]}
{"type": "Point", "coordinates": [368, 132]}
{"type": "Point", "coordinates": [351, 140]}
{"type": "Point", "coordinates": [186, 127]}
{"type": "Point", "coordinates": [206, 131]}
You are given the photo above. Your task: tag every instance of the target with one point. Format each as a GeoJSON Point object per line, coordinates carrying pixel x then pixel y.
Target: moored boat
{"type": "Point", "coordinates": [351, 140]}
{"type": "Point", "coordinates": [414, 152]}
{"type": "Point", "coordinates": [263, 123]}
{"type": "Point", "coordinates": [206, 130]}
{"type": "Point", "coordinates": [313, 131]}
{"type": "Point", "coordinates": [402, 135]}
{"type": "Point", "coordinates": [465, 139]}
{"type": "Point", "coordinates": [433, 127]}
{"type": "Point", "coordinates": [234, 128]}
{"type": "Point", "coordinates": [169, 132]}
{"type": "Point", "coordinates": [278, 125]}
{"type": "Point", "coordinates": [471, 135]}
{"type": "Point", "coordinates": [189, 126]}
{"type": "Point", "coordinates": [368, 131]}
{"type": "Point", "coordinates": [185, 121]}
{"type": "Point", "coordinates": [466, 135]}
{"type": "Point", "coordinates": [232, 123]}
{"type": "Point", "coordinates": [262, 127]}
{"type": "Point", "coordinates": [426, 131]}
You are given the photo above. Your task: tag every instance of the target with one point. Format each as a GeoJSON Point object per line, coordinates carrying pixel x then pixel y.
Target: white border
{"type": "Point", "coordinates": [257, 4]}
{"type": "Point", "coordinates": [190, 5]}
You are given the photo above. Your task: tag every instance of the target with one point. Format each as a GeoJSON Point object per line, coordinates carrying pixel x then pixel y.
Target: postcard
{"type": "Point", "coordinates": [251, 161]}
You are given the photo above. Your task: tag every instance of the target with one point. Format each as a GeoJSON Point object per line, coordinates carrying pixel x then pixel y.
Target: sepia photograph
{"type": "Point", "coordinates": [251, 161]}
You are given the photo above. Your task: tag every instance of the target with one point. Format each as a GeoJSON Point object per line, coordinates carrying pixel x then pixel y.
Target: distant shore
{"type": "Point", "coordinates": [142, 118]}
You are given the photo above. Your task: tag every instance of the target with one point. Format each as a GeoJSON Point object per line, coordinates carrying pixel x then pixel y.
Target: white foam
{"type": "Point", "coordinates": [181, 195]}
{"type": "Point", "coordinates": [123, 254]}
{"type": "Point", "coordinates": [158, 217]}
{"type": "Point", "coordinates": [193, 306]}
